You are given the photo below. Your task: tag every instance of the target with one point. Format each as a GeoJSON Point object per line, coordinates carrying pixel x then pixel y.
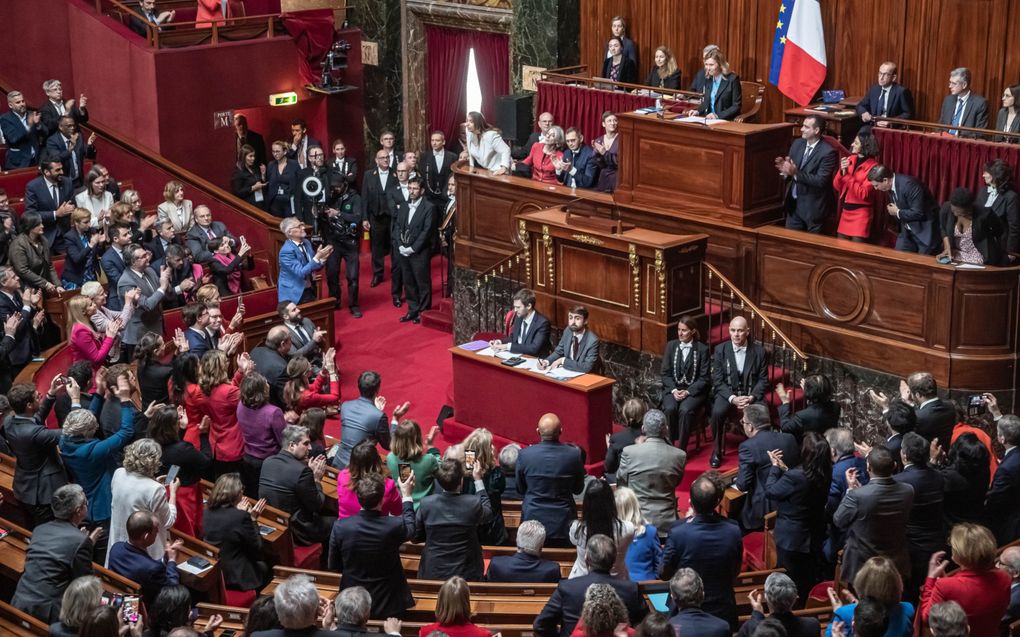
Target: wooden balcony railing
{"type": "Point", "coordinates": [983, 134]}
{"type": "Point", "coordinates": [579, 76]}
{"type": "Point", "coordinates": [178, 34]}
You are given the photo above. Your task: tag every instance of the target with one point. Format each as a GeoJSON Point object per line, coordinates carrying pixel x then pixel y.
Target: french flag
{"type": "Point", "coordinates": [798, 51]}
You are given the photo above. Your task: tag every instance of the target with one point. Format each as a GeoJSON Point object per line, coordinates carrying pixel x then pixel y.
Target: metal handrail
{"type": "Point", "coordinates": [580, 74]}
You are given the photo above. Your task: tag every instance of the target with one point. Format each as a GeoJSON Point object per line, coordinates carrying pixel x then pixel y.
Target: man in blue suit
{"type": "Point", "coordinates": [196, 317]}
{"type": "Point", "coordinates": [1002, 503]}
{"type": "Point", "coordinates": [577, 169]}
{"type": "Point", "coordinates": [529, 332]}
{"type": "Point", "coordinates": [68, 145]}
{"type": "Point", "coordinates": [913, 205]}
{"type": "Point", "coordinates": [687, 591]}
{"type": "Point", "coordinates": [755, 463]}
{"type": "Point", "coordinates": [20, 127]}
{"type": "Point", "coordinates": [526, 565]}
{"type": "Point", "coordinates": [51, 196]}
{"type": "Point", "coordinates": [1009, 561]}
{"type": "Point", "coordinates": [113, 263]}
{"type": "Point", "coordinates": [887, 98]}
{"type": "Point", "coordinates": [548, 476]}
{"type": "Point", "coordinates": [711, 545]}
{"type": "Point", "coordinates": [297, 262]}
{"type": "Point", "coordinates": [131, 559]}
{"type": "Point", "coordinates": [841, 445]}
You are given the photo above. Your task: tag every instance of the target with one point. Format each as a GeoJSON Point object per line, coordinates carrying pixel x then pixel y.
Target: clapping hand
{"type": "Point", "coordinates": [937, 565]}
{"type": "Point", "coordinates": [776, 456]}
{"type": "Point", "coordinates": [935, 451]}
{"type": "Point", "coordinates": [783, 394]}
{"type": "Point", "coordinates": [11, 324]}
{"type": "Point", "coordinates": [153, 407]}
{"type": "Point", "coordinates": [113, 328]}
{"type": "Point", "coordinates": [851, 479]}
{"type": "Point", "coordinates": [400, 410]}
{"type": "Point", "coordinates": [880, 399]}
{"type": "Point", "coordinates": [757, 600]}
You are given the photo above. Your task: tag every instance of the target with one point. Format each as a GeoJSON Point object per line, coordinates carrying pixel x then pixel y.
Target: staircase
{"type": "Point", "coordinates": [440, 317]}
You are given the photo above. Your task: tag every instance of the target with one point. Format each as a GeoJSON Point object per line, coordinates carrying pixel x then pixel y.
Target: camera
{"type": "Point", "coordinates": [976, 405]}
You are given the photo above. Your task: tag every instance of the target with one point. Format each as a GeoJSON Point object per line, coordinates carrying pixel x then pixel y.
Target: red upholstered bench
{"type": "Point", "coordinates": [14, 181]}
{"type": "Point", "coordinates": [307, 556]}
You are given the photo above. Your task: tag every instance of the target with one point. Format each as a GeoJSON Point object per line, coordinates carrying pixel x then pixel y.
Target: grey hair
{"type": "Point", "coordinates": [82, 595]}
{"type": "Point", "coordinates": [124, 195]}
{"type": "Point", "coordinates": [288, 223]}
{"type": "Point", "coordinates": [297, 601]}
{"type": "Point", "coordinates": [962, 73]}
{"type": "Point", "coordinates": [143, 457]}
{"type": "Point", "coordinates": [66, 500]}
{"type": "Point", "coordinates": [80, 422]}
{"type": "Point", "coordinates": [710, 48]}
{"type": "Point", "coordinates": [531, 537]}
{"type": "Point", "coordinates": [557, 135]}
{"type": "Point", "coordinates": [5, 272]}
{"type": "Point", "coordinates": [292, 434]}
{"type": "Point", "coordinates": [1009, 429]}
{"type": "Point", "coordinates": [12, 95]}
{"type": "Point", "coordinates": [133, 252]}
{"type": "Point", "coordinates": [687, 589]}
{"type": "Point", "coordinates": [780, 592]}
{"type": "Point", "coordinates": [508, 457]}
{"type": "Point", "coordinates": [758, 416]}
{"type": "Point", "coordinates": [653, 425]}
{"type": "Point", "coordinates": [948, 620]}
{"type": "Point", "coordinates": [454, 452]}
{"type": "Point", "coordinates": [840, 440]}
{"type": "Point", "coordinates": [49, 85]}
{"type": "Point", "coordinates": [91, 289]}
{"type": "Point", "coordinates": [353, 606]}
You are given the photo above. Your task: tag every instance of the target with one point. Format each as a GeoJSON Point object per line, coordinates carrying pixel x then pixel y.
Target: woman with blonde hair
{"type": "Point", "coordinates": [81, 251]}
{"type": "Point", "coordinates": [299, 394]}
{"type": "Point", "coordinates": [722, 91]}
{"type": "Point", "coordinates": [479, 443]}
{"type": "Point", "coordinates": [175, 208]}
{"type": "Point", "coordinates": [135, 487]}
{"type": "Point", "coordinates": [644, 553]}
{"type": "Point", "coordinates": [223, 394]}
{"type": "Point", "coordinates": [81, 597]}
{"type": "Point", "coordinates": [880, 581]}
{"type": "Point", "coordinates": [85, 343]}
{"type": "Point", "coordinates": [103, 315]}
{"type": "Point", "coordinates": [407, 448]}
{"type": "Point", "coordinates": [207, 293]}
{"type": "Point", "coordinates": [453, 612]}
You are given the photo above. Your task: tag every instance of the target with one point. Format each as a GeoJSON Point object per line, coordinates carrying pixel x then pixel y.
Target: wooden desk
{"type": "Point", "coordinates": [14, 623]}
{"type": "Point", "coordinates": [278, 545]}
{"type": "Point", "coordinates": [208, 580]}
{"type": "Point", "coordinates": [725, 171]}
{"type": "Point", "coordinates": [843, 126]}
{"type": "Point", "coordinates": [509, 402]}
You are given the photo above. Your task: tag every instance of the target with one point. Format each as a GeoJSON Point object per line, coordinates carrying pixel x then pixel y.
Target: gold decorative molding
{"type": "Point", "coordinates": [549, 258]}
{"type": "Point", "coordinates": [525, 237]}
{"type": "Point", "coordinates": [587, 238]}
{"type": "Point", "coordinates": [660, 271]}
{"type": "Point", "coordinates": [635, 268]}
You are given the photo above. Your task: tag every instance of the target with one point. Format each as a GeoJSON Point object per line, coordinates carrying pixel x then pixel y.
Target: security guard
{"type": "Point", "coordinates": [341, 225]}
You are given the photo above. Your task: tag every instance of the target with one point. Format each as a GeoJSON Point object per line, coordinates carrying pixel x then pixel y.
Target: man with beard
{"type": "Point", "coordinates": [317, 170]}
{"type": "Point", "coordinates": [578, 349]}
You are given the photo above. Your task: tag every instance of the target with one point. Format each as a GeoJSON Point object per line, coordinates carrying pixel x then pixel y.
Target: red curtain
{"type": "Point", "coordinates": [583, 107]}
{"type": "Point", "coordinates": [313, 34]}
{"type": "Point", "coordinates": [446, 59]}
{"type": "Point", "coordinates": [943, 163]}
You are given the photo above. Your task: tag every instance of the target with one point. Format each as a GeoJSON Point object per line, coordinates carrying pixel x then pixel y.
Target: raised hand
{"type": "Point", "coordinates": [11, 324]}
{"type": "Point", "coordinates": [113, 328]}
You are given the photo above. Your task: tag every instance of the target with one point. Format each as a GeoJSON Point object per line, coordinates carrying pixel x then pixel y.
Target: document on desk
{"type": "Point", "coordinates": [488, 351]}
{"type": "Point", "coordinates": [556, 374]}
{"type": "Point", "coordinates": [694, 119]}
{"type": "Point", "coordinates": [474, 346]}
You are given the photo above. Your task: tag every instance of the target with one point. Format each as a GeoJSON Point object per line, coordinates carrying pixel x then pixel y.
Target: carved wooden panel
{"type": "Point", "coordinates": [591, 275]}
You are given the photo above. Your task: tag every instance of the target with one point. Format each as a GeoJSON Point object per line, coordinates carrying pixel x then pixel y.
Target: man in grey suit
{"type": "Point", "coordinates": [578, 349]}
{"type": "Point", "coordinates": [364, 417]}
{"type": "Point", "coordinates": [963, 107]}
{"type": "Point", "coordinates": [148, 315]}
{"type": "Point", "coordinates": [875, 516]}
{"type": "Point", "coordinates": [38, 472]}
{"type": "Point", "coordinates": [59, 553]}
{"type": "Point", "coordinates": [653, 469]}
{"type": "Point", "coordinates": [204, 231]}
{"type": "Point", "coordinates": [306, 339]}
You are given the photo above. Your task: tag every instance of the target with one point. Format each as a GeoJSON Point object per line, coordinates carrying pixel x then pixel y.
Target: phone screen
{"type": "Point", "coordinates": [171, 475]}
{"type": "Point", "coordinates": [469, 460]}
{"type": "Point", "coordinates": [405, 472]}
{"type": "Point", "coordinates": [129, 609]}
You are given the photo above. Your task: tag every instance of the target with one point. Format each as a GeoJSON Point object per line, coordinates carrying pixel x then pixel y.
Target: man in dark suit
{"type": "Point", "coordinates": [412, 240]}
{"type": "Point", "coordinates": [148, 314]}
{"type": "Point", "coordinates": [165, 237]}
{"type": "Point", "coordinates": [841, 444]}
{"type": "Point", "coordinates": [578, 349]}
{"type": "Point", "coordinates": [912, 204]}
{"type": "Point", "coordinates": [935, 417]}
{"type": "Point", "coordinates": [437, 166]}
{"type": "Point", "coordinates": [563, 610]}
{"type": "Point", "coordinates": [51, 196]}
{"type": "Point", "coordinates": [377, 185]}
{"type": "Point", "coordinates": [196, 319]}
{"type": "Point", "coordinates": [301, 142]}
{"type": "Point", "coordinates": [21, 128]}
{"type": "Point", "coordinates": [291, 481]}
{"type": "Point", "coordinates": [247, 137]}
{"type": "Point", "coordinates": [365, 548]}
{"type": "Point", "coordinates": [687, 592]}
{"type": "Point", "coordinates": [925, 532]}
{"type": "Point", "coordinates": [526, 565]}
{"type": "Point", "coordinates": [303, 608]}
{"type": "Point", "coordinates": [819, 415]}
{"type": "Point", "coordinates": [963, 107]}
{"type": "Point", "coordinates": [887, 98]}
{"type": "Point", "coordinates": [148, 10]}
{"type": "Point", "coordinates": [740, 378]}
{"type": "Point", "coordinates": [1002, 503]}
{"type": "Point", "coordinates": [1009, 561]}
{"type": "Point", "coordinates": [59, 553]}
{"type": "Point", "coordinates": [204, 231]}
{"type": "Point", "coordinates": [38, 472]}
{"type": "Point", "coordinates": [448, 522]}
{"type": "Point", "coordinates": [131, 558]}
{"type": "Point", "coordinates": [388, 145]}
{"type": "Point", "coordinates": [780, 595]}
{"type": "Point", "coordinates": [182, 275]}
{"type": "Point", "coordinates": [709, 544]}
{"type": "Point", "coordinates": [686, 379]}
{"type": "Point", "coordinates": [548, 474]}
{"type": "Point", "coordinates": [343, 166]}
{"type": "Point", "coordinates": [271, 358]}
{"type": "Point", "coordinates": [12, 302]}
{"type": "Point", "coordinates": [529, 332]}
{"type": "Point", "coordinates": [577, 169]}
{"type": "Point", "coordinates": [755, 463]}
{"type": "Point", "coordinates": [875, 516]}
{"type": "Point", "coordinates": [306, 339]}
{"type": "Point", "coordinates": [67, 144]}
{"type": "Point", "coordinates": [56, 107]}
{"type": "Point", "coordinates": [808, 170]}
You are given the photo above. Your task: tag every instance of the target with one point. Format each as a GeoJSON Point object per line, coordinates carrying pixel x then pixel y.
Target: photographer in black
{"type": "Point", "coordinates": [340, 225]}
{"type": "Point", "coordinates": [313, 179]}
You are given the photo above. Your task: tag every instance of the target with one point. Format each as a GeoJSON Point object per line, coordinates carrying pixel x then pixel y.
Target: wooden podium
{"type": "Point", "coordinates": [724, 171]}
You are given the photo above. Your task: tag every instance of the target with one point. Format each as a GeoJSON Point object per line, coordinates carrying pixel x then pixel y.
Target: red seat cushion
{"type": "Point", "coordinates": [307, 556]}
{"type": "Point", "coordinates": [239, 599]}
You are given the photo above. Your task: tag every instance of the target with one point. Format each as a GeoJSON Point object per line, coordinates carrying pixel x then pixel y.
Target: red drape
{"type": "Point", "coordinates": [943, 163]}
{"type": "Point", "coordinates": [313, 34]}
{"type": "Point", "coordinates": [446, 59]}
{"type": "Point", "coordinates": [583, 107]}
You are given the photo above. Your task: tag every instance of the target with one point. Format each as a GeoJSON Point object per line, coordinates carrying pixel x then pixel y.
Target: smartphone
{"type": "Point", "coordinates": [265, 530]}
{"type": "Point", "coordinates": [113, 600]}
{"type": "Point", "coordinates": [129, 609]}
{"type": "Point", "coordinates": [171, 475]}
{"type": "Point", "coordinates": [4, 533]}
{"type": "Point", "coordinates": [469, 460]}
{"type": "Point", "coordinates": [405, 471]}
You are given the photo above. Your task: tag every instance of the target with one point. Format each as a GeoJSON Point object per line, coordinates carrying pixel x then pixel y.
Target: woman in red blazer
{"type": "Point", "coordinates": [977, 586]}
{"type": "Point", "coordinates": [222, 397]}
{"type": "Point", "coordinates": [854, 192]}
{"type": "Point", "coordinates": [299, 394]}
{"type": "Point", "coordinates": [211, 10]}
{"type": "Point", "coordinates": [546, 155]}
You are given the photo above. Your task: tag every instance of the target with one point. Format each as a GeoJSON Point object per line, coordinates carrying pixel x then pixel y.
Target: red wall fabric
{"type": "Point", "coordinates": [583, 107]}
{"type": "Point", "coordinates": [446, 60]}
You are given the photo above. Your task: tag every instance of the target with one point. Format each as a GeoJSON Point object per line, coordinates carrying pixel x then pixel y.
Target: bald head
{"type": "Point", "coordinates": [1010, 560]}
{"type": "Point", "coordinates": [279, 339]}
{"type": "Point", "coordinates": [738, 331]}
{"type": "Point", "coordinates": [549, 427]}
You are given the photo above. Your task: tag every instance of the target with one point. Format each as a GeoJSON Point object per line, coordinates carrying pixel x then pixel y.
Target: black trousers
{"type": "Point", "coordinates": [796, 221]}
{"type": "Point", "coordinates": [802, 569]}
{"type": "Point", "coordinates": [417, 282]}
{"type": "Point", "coordinates": [251, 470]}
{"type": "Point", "coordinates": [348, 252]}
{"type": "Point", "coordinates": [721, 410]}
{"type": "Point", "coordinates": [379, 239]}
{"type": "Point", "coordinates": [680, 415]}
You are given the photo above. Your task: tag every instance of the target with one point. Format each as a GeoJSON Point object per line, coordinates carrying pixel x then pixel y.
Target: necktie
{"type": "Point", "coordinates": [807, 153]}
{"type": "Point", "coordinates": [74, 161]}
{"type": "Point", "coordinates": [302, 334]}
{"type": "Point", "coordinates": [957, 115]}
{"type": "Point", "coordinates": [574, 346]}
{"type": "Point", "coordinates": [53, 193]}
{"type": "Point", "coordinates": [90, 267]}
{"type": "Point", "coordinates": [884, 106]}
{"type": "Point", "coordinates": [209, 232]}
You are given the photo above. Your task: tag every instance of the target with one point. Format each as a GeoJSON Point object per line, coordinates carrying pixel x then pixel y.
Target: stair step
{"type": "Point", "coordinates": [437, 320]}
{"type": "Point", "coordinates": [714, 308]}
{"type": "Point", "coordinates": [444, 305]}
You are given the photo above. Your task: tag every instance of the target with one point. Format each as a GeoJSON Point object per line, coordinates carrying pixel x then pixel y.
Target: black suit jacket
{"type": "Point", "coordinates": [257, 142]}
{"type": "Point", "coordinates": [548, 476]}
{"type": "Point", "coordinates": [975, 113]}
{"type": "Point", "coordinates": [925, 533]}
{"type": "Point", "coordinates": [416, 233]}
{"type": "Point", "coordinates": [448, 522]}
{"type": "Point", "coordinates": [58, 554]}
{"type": "Point", "coordinates": [917, 212]}
{"type": "Point", "coordinates": [628, 70]}
{"type": "Point", "coordinates": [39, 471]}
{"type": "Point", "coordinates": [795, 626]}
{"type": "Point", "coordinates": [1007, 208]}
{"type": "Point", "coordinates": [697, 367]}
{"type": "Point", "coordinates": [754, 381]}
{"type": "Point", "coordinates": [936, 420]}
{"type": "Point", "coordinates": [899, 103]}
{"type": "Point", "coordinates": [198, 240]}
{"type": "Point", "coordinates": [563, 610]}
{"type": "Point", "coordinates": [536, 341]}
{"type": "Point", "coordinates": [712, 546]}
{"type": "Point", "coordinates": [815, 197]}
{"type": "Point", "coordinates": [436, 176]}
{"type": "Point", "coordinates": [239, 541]}
{"type": "Point", "coordinates": [800, 509]}
{"type": "Point", "coordinates": [1000, 125]}
{"type": "Point", "coordinates": [288, 484]}
{"type": "Point", "coordinates": [1002, 504]}
{"type": "Point", "coordinates": [49, 118]}
{"type": "Point", "coordinates": [816, 417]}
{"type": "Point", "coordinates": [274, 367]}
{"type": "Point", "coordinates": [77, 259]}
{"type": "Point", "coordinates": [22, 143]}
{"type": "Point", "coordinates": [58, 146]}
{"type": "Point", "coordinates": [365, 549]}
{"type": "Point", "coordinates": [375, 197]}
{"type": "Point", "coordinates": [24, 346]}
{"type": "Point", "coordinates": [987, 232]}
{"type": "Point", "coordinates": [754, 471]}
{"type": "Point", "coordinates": [727, 98]}
{"type": "Point", "coordinates": [522, 568]}
{"type": "Point", "coordinates": [39, 199]}
{"type": "Point", "coordinates": [347, 169]}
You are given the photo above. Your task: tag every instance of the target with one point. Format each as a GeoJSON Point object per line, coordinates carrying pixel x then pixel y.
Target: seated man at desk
{"type": "Point", "coordinates": [529, 332]}
{"type": "Point", "coordinates": [740, 377]}
{"type": "Point", "coordinates": [578, 349]}
{"type": "Point", "coordinates": [887, 98]}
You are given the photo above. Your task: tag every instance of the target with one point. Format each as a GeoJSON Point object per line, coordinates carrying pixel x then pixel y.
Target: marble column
{"type": "Point", "coordinates": [545, 33]}
{"type": "Point", "coordinates": [383, 99]}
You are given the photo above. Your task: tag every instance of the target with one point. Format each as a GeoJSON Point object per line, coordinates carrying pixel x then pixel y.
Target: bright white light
{"type": "Point", "coordinates": [474, 88]}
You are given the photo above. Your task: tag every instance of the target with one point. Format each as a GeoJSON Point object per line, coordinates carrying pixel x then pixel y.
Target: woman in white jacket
{"type": "Point", "coordinates": [135, 488]}
{"type": "Point", "coordinates": [485, 145]}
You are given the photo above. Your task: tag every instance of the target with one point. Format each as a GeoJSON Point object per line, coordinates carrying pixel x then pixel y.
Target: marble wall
{"type": "Point", "coordinates": [379, 21]}
{"type": "Point", "coordinates": [545, 33]}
